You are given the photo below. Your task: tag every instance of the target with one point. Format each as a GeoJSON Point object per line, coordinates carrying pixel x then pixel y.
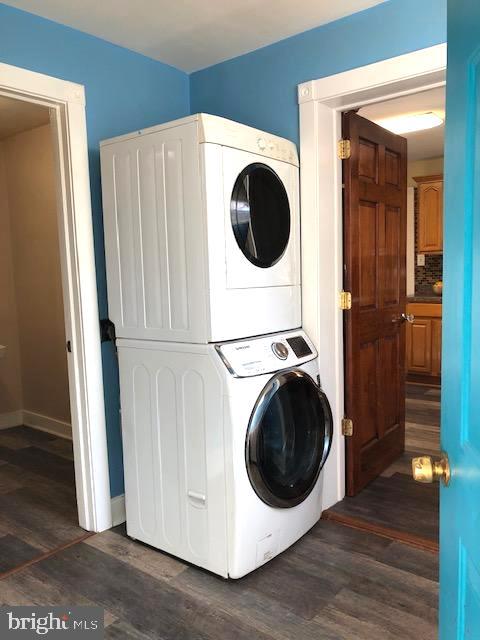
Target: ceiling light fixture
{"type": "Point", "coordinates": [411, 122]}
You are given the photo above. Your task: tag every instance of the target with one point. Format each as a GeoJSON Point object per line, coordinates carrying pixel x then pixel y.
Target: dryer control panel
{"type": "Point", "coordinates": [266, 354]}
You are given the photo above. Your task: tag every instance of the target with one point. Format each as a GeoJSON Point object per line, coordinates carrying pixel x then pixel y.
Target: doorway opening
{"type": "Point", "coordinates": [393, 266]}
{"type": "Point", "coordinates": [52, 294]}
{"type": "Point", "coordinates": [322, 103]}
{"type": "Point", "coordinates": [38, 504]}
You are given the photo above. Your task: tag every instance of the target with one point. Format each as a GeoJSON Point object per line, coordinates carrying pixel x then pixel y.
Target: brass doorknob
{"type": "Point", "coordinates": [425, 469]}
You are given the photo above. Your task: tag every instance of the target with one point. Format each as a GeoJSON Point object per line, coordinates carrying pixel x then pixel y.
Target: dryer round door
{"type": "Point", "coordinates": [288, 439]}
{"type": "Point", "coordinates": [260, 215]}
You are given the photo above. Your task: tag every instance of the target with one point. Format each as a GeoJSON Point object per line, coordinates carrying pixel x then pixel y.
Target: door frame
{"type": "Point", "coordinates": [66, 101]}
{"type": "Point", "coordinates": [321, 103]}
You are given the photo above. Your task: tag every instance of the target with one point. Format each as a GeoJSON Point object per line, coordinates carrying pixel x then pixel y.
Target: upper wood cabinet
{"type": "Point", "coordinates": [430, 214]}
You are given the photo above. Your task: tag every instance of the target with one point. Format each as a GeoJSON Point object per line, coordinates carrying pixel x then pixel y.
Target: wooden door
{"type": "Point", "coordinates": [460, 424]}
{"type": "Point", "coordinates": [375, 273]}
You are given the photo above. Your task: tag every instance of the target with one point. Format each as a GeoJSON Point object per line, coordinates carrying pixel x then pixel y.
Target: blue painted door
{"type": "Point", "coordinates": [460, 430]}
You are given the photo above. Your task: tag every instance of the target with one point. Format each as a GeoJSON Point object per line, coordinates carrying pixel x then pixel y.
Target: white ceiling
{"type": "Point", "coordinates": [421, 144]}
{"type": "Point", "coordinates": [193, 34]}
{"type": "Point", "coordinates": [17, 116]}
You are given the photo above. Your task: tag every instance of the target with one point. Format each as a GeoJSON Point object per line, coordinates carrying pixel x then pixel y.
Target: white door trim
{"type": "Point", "coordinates": [321, 104]}
{"type": "Point", "coordinates": [66, 101]}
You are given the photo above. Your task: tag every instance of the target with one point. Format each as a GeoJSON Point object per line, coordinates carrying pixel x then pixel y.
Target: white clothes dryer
{"type": "Point", "coordinates": [223, 447]}
{"type": "Point", "coordinates": [202, 231]}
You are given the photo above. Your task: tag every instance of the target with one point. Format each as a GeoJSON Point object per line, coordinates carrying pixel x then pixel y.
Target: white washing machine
{"type": "Point", "coordinates": [202, 234]}
{"type": "Point", "coordinates": [223, 447]}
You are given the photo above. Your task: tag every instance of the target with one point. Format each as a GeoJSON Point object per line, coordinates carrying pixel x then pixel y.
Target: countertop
{"type": "Point", "coordinates": [431, 299]}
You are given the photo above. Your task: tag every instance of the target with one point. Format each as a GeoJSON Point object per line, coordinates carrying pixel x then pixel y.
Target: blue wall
{"type": "Point", "coordinates": [124, 91]}
{"type": "Point", "coordinates": [260, 88]}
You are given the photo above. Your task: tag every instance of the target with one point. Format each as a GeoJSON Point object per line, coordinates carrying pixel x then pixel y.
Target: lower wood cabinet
{"type": "Point", "coordinates": [424, 339]}
{"type": "Point", "coordinates": [419, 346]}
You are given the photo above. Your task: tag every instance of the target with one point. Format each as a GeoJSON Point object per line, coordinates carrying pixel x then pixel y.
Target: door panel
{"type": "Point", "coordinates": [368, 254]}
{"type": "Point", "coordinates": [388, 383]}
{"type": "Point", "coordinates": [460, 425]}
{"type": "Point", "coordinates": [392, 167]}
{"type": "Point", "coordinates": [391, 288]}
{"type": "Point", "coordinates": [375, 263]}
{"type": "Point", "coordinates": [368, 394]}
{"type": "Point", "coordinates": [368, 161]}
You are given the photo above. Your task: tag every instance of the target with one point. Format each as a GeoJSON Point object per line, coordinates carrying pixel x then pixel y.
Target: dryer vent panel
{"type": "Point", "coordinates": [152, 215]}
{"type": "Point", "coordinates": [172, 433]}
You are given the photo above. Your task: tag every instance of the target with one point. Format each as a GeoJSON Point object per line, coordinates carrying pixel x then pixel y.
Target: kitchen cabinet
{"type": "Point", "coordinates": [430, 214]}
{"type": "Point", "coordinates": [424, 340]}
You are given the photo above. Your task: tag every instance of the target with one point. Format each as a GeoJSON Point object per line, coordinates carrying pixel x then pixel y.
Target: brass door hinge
{"type": "Point", "coordinates": [345, 300]}
{"type": "Point", "coordinates": [344, 149]}
{"type": "Point", "coordinates": [347, 427]}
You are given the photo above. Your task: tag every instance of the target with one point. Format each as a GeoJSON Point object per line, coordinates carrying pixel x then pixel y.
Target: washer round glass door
{"type": "Point", "coordinates": [288, 439]}
{"type": "Point", "coordinates": [260, 215]}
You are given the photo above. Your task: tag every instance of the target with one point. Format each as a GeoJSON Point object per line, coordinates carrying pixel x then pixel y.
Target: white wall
{"type": "Point", "coordinates": [31, 188]}
{"type": "Point", "coordinates": [429, 167]}
{"type": "Point", "coordinates": [11, 399]}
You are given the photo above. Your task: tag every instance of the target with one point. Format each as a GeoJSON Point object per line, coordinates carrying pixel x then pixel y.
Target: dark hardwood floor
{"type": "Point", "coordinates": [38, 509]}
{"type": "Point", "coordinates": [336, 583]}
{"type": "Point", "coordinates": [394, 501]}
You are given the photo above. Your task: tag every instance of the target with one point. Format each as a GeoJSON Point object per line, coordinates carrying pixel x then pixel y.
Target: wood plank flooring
{"type": "Point", "coordinates": [335, 584]}
{"type": "Point", "coordinates": [38, 509]}
{"type": "Point", "coordinates": [394, 500]}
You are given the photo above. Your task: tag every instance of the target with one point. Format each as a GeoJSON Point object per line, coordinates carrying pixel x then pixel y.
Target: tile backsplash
{"type": "Point", "coordinates": [426, 276]}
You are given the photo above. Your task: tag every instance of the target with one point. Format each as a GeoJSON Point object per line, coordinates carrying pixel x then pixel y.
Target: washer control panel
{"type": "Point", "coordinates": [267, 354]}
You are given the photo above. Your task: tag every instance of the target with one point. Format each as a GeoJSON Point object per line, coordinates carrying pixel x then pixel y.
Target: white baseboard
{"type": "Point", "coordinates": [11, 419]}
{"type": "Point", "coordinates": [118, 510]}
{"type": "Point", "coordinates": [45, 423]}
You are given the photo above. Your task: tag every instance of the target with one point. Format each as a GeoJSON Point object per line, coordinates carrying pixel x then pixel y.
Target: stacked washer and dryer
{"type": "Point", "coordinates": [225, 427]}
